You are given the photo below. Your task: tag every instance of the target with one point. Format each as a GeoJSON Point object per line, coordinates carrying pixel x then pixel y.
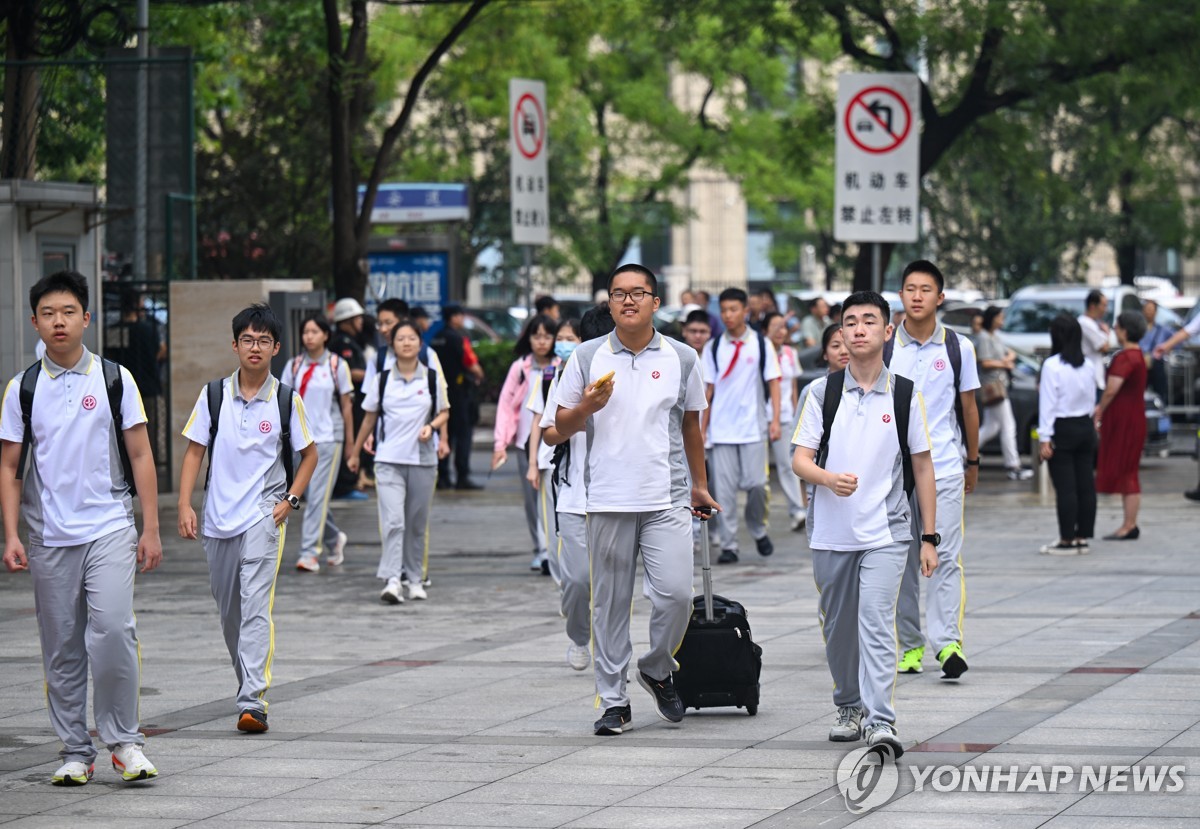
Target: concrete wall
{"type": "Point", "coordinates": [202, 341]}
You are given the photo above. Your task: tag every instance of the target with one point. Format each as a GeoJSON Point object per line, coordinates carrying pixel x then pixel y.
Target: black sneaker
{"type": "Point", "coordinates": [468, 485]}
{"type": "Point", "coordinates": [252, 721]}
{"type": "Point", "coordinates": [666, 700]}
{"type": "Point", "coordinates": [765, 547]}
{"type": "Point", "coordinates": [1192, 494]}
{"type": "Point", "coordinates": [614, 721]}
{"type": "Point", "coordinates": [727, 557]}
{"type": "Point", "coordinates": [545, 567]}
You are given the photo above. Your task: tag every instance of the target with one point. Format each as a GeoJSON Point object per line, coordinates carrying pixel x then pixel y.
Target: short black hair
{"type": "Point", "coordinates": [633, 267]}
{"type": "Point", "coordinates": [320, 322]}
{"type": "Point", "coordinates": [989, 316]}
{"type": "Point", "coordinates": [572, 323]}
{"type": "Point", "coordinates": [418, 312]}
{"type": "Point", "coordinates": [734, 294]}
{"type": "Point", "coordinates": [767, 292]}
{"type": "Point", "coordinates": [1134, 323]}
{"type": "Point", "coordinates": [405, 322]}
{"type": "Point", "coordinates": [812, 303]}
{"type": "Point", "coordinates": [699, 315]}
{"type": "Point", "coordinates": [397, 307]}
{"type": "Point", "coordinates": [544, 303]}
{"type": "Point", "coordinates": [869, 298]}
{"type": "Point", "coordinates": [597, 322]}
{"type": "Point", "coordinates": [257, 317]}
{"type": "Point", "coordinates": [524, 347]}
{"type": "Point", "coordinates": [768, 318]}
{"type": "Point", "coordinates": [923, 266]}
{"type": "Point", "coordinates": [70, 282]}
{"type": "Point", "coordinates": [1094, 298]}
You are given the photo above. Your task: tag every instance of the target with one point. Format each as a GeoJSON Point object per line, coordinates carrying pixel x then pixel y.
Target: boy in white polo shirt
{"type": "Point", "coordinates": [736, 367]}
{"type": "Point", "coordinates": [83, 544]}
{"type": "Point", "coordinates": [942, 365]}
{"type": "Point", "coordinates": [643, 437]}
{"type": "Point", "coordinates": [858, 518]}
{"type": "Point", "coordinates": [248, 502]}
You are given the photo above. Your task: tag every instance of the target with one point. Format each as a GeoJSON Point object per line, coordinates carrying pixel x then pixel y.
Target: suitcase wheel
{"type": "Point", "coordinates": [751, 710]}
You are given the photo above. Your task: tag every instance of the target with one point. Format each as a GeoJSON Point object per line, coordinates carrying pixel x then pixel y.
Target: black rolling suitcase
{"type": "Point", "coordinates": [719, 664]}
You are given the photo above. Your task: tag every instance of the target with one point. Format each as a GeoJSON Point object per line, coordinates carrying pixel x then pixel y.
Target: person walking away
{"type": "Point", "coordinates": [996, 362]}
{"type": "Point", "coordinates": [856, 441]}
{"type": "Point", "coordinates": [404, 411]}
{"type": "Point", "coordinates": [1067, 435]}
{"type": "Point", "coordinates": [740, 371]}
{"type": "Point", "coordinates": [514, 420]}
{"type": "Point", "coordinates": [638, 395]}
{"type": "Point", "coordinates": [83, 542]}
{"type": "Point", "coordinates": [322, 379]}
{"type": "Point", "coordinates": [1121, 424]}
{"type": "Point", "coordinates": [776, 330]}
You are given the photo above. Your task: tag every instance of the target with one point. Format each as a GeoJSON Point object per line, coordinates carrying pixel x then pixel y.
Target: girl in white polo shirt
{"type": "Point", "coordinates": [323, 382]}
{"type": "Point", "coordinates": [776, 331]}
{"type": "Point", "coordinates": [402, 403]}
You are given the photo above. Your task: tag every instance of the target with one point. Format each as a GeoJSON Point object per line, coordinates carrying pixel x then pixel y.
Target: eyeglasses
{"type": "Point", "coordinates": [637, 295]}
{"type": "Point", "coordinates": [262, 342]}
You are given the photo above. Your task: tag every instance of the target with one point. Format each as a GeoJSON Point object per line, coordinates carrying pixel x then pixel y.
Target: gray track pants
{"type": "Point", "coordinates": [946, 597]}
{"type": "Point", "coordinates": [317, 530]}
{"type": "Point", "coordinates": [614, 540]}
{"type": "Point", "coordinates": [574, 567]}
{"type": "Point", "coordinates": [857, 613]}
{"type": "Point", "coordinates": [531, 498]}
{"type": "Point", "coordinates": [405, 493]}
{"type": "Point", "coordinates": [241, 572]}
{"type": "Point", "coordinates": [545, 497]}
{"type": "Point", "coordinates": [781, 454]}
{"type": "Point", "coordinates": [84, 600]}
{"type": "Point", "coordinates": [735, 467]}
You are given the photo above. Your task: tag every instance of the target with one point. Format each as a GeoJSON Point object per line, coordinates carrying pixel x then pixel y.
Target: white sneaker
{"type": "Point", "coordinates": [536, 564]}
{"type": "Point", "coordinates": [884, 734]}
{"type": "Point", "coordinates": [798, 522]}
{"type": "Point", "coordinates": [578, 657]}
{"type": "Point", "coordinates": [338, 553]}
{"type": "Point", "coordinates": [309, 564]}
{"type": "Point", "coordinates": [132, 764]}
{"type": "Point", "coordinates": [392, 593]}
{"type": "Point", "coordinates": [73, 774]}
{"type": "Point", "coordinates": [415, 590]}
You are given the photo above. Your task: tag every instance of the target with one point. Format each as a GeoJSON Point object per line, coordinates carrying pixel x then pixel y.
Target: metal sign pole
{"type": "Point", "coordinates": [528, 254]}
{"type": "Point", "coordinates": [876, 270]}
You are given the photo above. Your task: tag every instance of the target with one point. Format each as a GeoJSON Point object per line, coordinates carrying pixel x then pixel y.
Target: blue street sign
{"type": "Point", "coordinates": [401, 203]}
{"type": "Point", "coordinates": [417, 277]}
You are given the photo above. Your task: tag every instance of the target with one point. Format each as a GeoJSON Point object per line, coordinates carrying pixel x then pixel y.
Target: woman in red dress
{"type": "Point", "coordinates": [1121, 422]}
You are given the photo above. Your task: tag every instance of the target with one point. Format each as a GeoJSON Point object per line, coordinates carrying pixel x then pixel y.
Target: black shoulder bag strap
{"type": "Point", "coordinates": [433, 402]}
{"type": "Point", "coordinates": [902, 403]}
{"type": "Point", "coordinates": [215, 392]}
{"type": "Point", "coordinates": [284, 393]}
{"type": "Point", "coordinates": [114, 383]}
{"type": "Point", "coordinates": [380, 432]}
{"type": "Point", "coordinates": [954, 352]}
{"type": "Point", "coordinates": [28, 387]}
{"type": "Point", "coordinates": [829, 406]}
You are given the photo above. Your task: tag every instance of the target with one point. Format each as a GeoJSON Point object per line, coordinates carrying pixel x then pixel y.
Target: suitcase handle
{"type": "Point", "coordinates": [706, 561]}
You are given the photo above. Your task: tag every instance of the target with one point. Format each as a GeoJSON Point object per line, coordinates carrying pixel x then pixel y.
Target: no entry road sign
{"type": "Point", "coordinates": [527, 177]}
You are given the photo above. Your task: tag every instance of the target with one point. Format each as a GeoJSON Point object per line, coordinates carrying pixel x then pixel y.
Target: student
{"type": "Point", "coordinates": [643, 438]}
{"type": "Point", "coordinates": [514, 420]}
{"type": "Point", "coordinates": [547, 305]}
{"type": "Point", "coordinates": [561, 486]}
{"type": "Point", "coordinates": [322, 380]}
{"type": "Point", "coordinates": [923, 350]}
{"type": "Point", "coordinates": [83, 543]}
{"type": "Point", "coordinates": [248, 501]}
{"type": "Point", "coordinates": [858, 520]}
{"type": "Point", "coordinates": [697, 332]}
{"type": "Point", "coordinates": [405, 460]}
{"type": "Point", "coordinates": [834, 356]}
{"type": "Point", "coordinates": [737, 367]}
{"type": "Point", "coordinates": [775, 327]}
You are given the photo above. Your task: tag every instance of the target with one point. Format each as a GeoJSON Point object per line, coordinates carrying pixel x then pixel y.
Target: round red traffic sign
{"type": "Point", "coordinates": [529, 126]}
{"type": "Point", "coordinates": [877, 120]}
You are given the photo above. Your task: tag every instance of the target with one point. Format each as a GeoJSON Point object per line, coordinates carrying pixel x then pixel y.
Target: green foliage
{"type": "Point", "coordinates": [495, 358]}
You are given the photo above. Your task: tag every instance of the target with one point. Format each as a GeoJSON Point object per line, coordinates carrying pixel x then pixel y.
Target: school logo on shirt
{"type": "Point", "coordinates": [89, 403]}
{"type": "Point", "coordinates": [940, 364]}
{"type": "Point", "coordinates": [887, 418]}
{"type": "Point", "coordinates": [655, 374]}
{"type": "Point", "coordinates": [265, 427]}
{"type": "Point", "coordinates": [420, 392]}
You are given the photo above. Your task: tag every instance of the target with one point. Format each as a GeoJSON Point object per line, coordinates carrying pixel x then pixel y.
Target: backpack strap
{"type": "Point", "coordinates": [215, 392]}
{"type": "Point", "coordinates": [333, 372]}
{"type": "Point", "coordinates": [548, 375]}
{"type": "Point", "coordinates": [380, 432]}
{"type": "Point", "coordinates": [284, 393]}
{"type": "Point", "coordinates": [954, 352]}
{"type": "Point", "coordinates": [114, 383]}
{"type": "Point", "coordinates": [433, 401]}
{"type": "Point", "coordinates": [834, 384]}
{"type": "Point", "coordinates": [28, 387]}
{"type": "Point", "coordinates": [380, 359]}
{"type": "Point", "coordinates": [902, 402]}
{"type": "Point", "coordinates": [762, 364]}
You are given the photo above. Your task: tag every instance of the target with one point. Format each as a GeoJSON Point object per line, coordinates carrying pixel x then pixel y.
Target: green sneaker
{"type": "Point", "coordinates": [953, 663]}
{"type": "Point", "coordinates": [910, 663]}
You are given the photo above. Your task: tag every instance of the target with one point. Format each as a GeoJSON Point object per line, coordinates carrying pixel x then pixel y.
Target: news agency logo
{"type": "Point", "coordinates": [868, 778]}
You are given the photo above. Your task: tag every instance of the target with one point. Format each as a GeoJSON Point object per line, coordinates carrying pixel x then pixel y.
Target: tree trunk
{"type": "Point", "coordinates": [1126, 236]}
{"type": "Point", "coordinates": [18, 146]}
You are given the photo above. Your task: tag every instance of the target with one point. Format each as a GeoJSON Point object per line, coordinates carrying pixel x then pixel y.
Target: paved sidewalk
{"type": "Point", "coordinates": [461, 710]}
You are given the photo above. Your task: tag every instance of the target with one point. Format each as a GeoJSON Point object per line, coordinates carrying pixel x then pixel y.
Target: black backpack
{"type": "Point", "coordinates": [902, 395]}
{"type": "Point", "coordinates": [380, 432]}
{"type": "Point", "coordinates": [954, 352]}
{"type": "Point", "coordinates": [113, 383]}
{"type": "Point", "coordinates": [283, 395]}
{"type": "Point", "coordinates": [762, 362]}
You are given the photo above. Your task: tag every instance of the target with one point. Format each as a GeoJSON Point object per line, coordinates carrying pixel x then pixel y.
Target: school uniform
{"type": "Point", "coordinates": [638, 498]}
{"type": "Point", "coordinates": [860, 543]}
{"type": "Point", "coordinates": [322, 393]}
{"type": "Point", "coordinates": [737, 427]}
{"type": "Point", "coordinates": [82, 550]}
{"type": "Point", "coordinates": [537, 405]}
{"type": "Point", "coordinates": [405, 469]}
{"type": "Point", "coordinates": [237, 530]}
{"type": "Point", "coordinates": [781, 449]}
{"type": "Point", "coordinates": [928, 366]}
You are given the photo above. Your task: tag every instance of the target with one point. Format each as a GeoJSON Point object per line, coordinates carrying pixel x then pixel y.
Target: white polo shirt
{"type": "Point", "coordinates": [635, 456]}
{"type": "Point", "coordinates": [571, 496]}
{"type": "Point", "coordinates": [372, 374]}
{"type": "Point", "coordinates": [74, 488]}
{"type": "Point", "coordinates": [321, 405]}
{"type": "Point", "coordinates": [248, 477]}
{"type": "Point", "coordinates": [538, 407]}
{"type": "Point", "coordinates": [928, 366]}
{"type": "Point", "coordinates": [789, 370]}
{"type": "Point", "coordinates": [863, 441]}
{"type": "Point", "coordinates": [1094, 339]}
{"type": "Point", "coordinates": [406, 409]}
{"type": "Point", "coordinates": [737, 414]}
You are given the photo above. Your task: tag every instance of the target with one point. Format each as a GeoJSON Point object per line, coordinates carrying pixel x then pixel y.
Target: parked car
{"type": "Point", "coordinates": [1026, 328]}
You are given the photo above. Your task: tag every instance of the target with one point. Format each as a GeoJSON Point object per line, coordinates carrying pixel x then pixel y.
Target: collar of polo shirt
{"type": "Point", "coordinates": [883, 383]}
{"type": "Point", "coordinates": [904, 338]}
{"type": "Point", "coordinates": [616, 346]}
{"type": "Point", "coordinates": [84, 366]}
{"type": "Point", "coordinates": [264, 393]}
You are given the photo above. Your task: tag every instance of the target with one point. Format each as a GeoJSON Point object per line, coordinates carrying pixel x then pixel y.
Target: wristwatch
{"type": "Point", "coordinates": [933, 538]}
{"type": "Point", "coordinates": [972, 462]}
{"type": "Point", "coordinates": [294, 500]}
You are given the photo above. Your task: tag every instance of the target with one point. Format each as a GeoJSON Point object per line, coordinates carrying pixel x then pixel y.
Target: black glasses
{"type": "Point", "coordinates": [637, 295]}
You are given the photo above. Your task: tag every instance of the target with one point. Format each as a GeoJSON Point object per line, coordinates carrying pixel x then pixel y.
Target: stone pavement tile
{"type": "Point", "coordinates": [1134, 738]}
{"type": "Point", "coordinates": [1006, 756]}
{"type": "Point", "coordinates": [408, 769]}
{"type": "Point", "coordinates": [295, 769]}
{"type": "Point", "coordinates": [195, 785]}
{"type": "Point", "coordinates": [337, 750]}
{"type": "Point", "coordinates": [590, 794]}
{"type": "Point", "coordinates": [525, 816]}
{"type": "Point", "coordinates": [1096, 822]}
{"type": "Point", "coordinates": [223, 823]}
{"type": "Point", "coordinates": [700, 795]}
{"type": "Point", "coordinates": [176, 746]}
{"type": "Point", "coordinates": [613, 754]}
{"type": "Point", "coordinates": [969, 803]}
{"type": "Point", "coordinates": [353, 788]}
{"type": "Point", "coordinates": [319, 811]}
{"type": "Point", "coordinates": [621, 817]}
{"type": "Point", "coordinates": [133, 808]}
{"type": "Point", "coordinates": [1166, 720]}
{"type": "Point", "coordinates": [765, 757]}
{"type": "Point", "coordinates": [43, 797]}
{"type": "Point", "coordinates": [1138, 805]}
{"type": "Point", "coordinates": [492, 753]}
{"type": "Point", "coordinates": [57, 822]}
{"type": "Point", "coordinates": [721, 777]}
{"type": "Point", "coordinates": [887, 818]}
{"type": "Point", "coordinates": [1188, 739]}
{"type": "Point", "coordinates": [616, 775]}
